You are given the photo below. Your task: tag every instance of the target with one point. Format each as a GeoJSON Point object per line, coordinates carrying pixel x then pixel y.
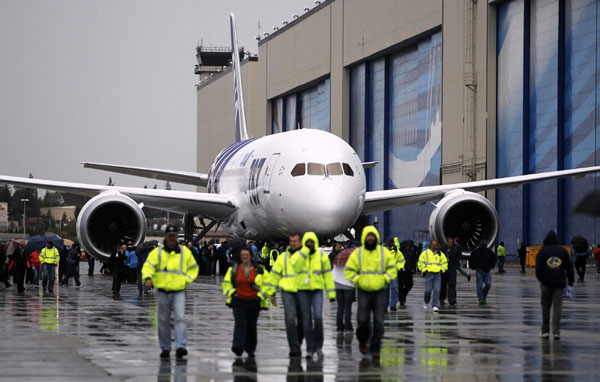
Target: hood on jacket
{"type": "Point", "coordinates": [310, 236]}
{"type": "Point", "coordinates": [367, 230]}
{"type": "Point", "coordinates": [551, 239]}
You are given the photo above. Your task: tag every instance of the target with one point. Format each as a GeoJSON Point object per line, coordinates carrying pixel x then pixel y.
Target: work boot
{"type": "Point", "coordinates": [180, 353]}
{"type": "Point", "coordinates": [165, 354]}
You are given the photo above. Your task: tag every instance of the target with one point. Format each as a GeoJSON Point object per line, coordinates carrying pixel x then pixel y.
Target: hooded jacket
{"type": "Point", "coordinates": [553, 266]}
{"type": "Point", "coordinates": [371, 270]}
{"type": "Point", "coordinates": [314, 268]}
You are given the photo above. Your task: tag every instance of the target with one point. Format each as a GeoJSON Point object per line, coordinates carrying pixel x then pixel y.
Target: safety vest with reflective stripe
{"type": "Point", "coordinates": [400, 261]}
{"type": "Point", "coordinates": [372, 270]}
{"type": "Point", "coordinates": [170, 271]}
{"type": "Point", "coordinates": [283, 275]}
{"type": "Point", "coordinates": [49, 256]}
{"type": "Point", "coordinates": [432, 262]}
{"type": "Point", "coordinates": [265, 252]}
{"type": "Point", "coordinates": [229, 286]}
{"type": "Point", "coordinates": [315, 272]}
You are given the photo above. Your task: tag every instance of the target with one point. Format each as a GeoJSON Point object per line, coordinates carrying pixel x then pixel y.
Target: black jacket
{"type": "Point", "coordinates": [117, 261]}
{"type": "Point", "coordinates": [453, 254]}
{"type": "Point", "coordinates": [482, 259]}
{"type": "Point", "coordinates": [553, 266]}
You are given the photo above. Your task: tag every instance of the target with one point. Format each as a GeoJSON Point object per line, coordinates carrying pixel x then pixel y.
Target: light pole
{"type": "Point", "coordinates": [24, 214]}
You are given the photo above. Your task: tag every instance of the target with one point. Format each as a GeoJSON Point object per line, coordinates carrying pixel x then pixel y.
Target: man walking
{"type": "Point", "coordinates": [91, 262]}
{"type": "Point", "coordinates": [554, 270]}
{"type": "Point", "coordinates": [283, 275]}
{"type": "Point", "coordinates": [19, 263]}
{"type": "Point", "coordinates": [73, 260]}
{"type": "Point", "coordinates": [483, 260]}
{"type": "Point", "coordinates": [522, 251]}
{"type": "Point", "coordinates": [371, 268]}
{"type": "Point", "coordinates": [432, 263]}
{"type": "Point", "coordinates": [170, 268]}
{"type": "Point", "coordinates": [405, 273]}
{"type": "Point", "coordinates": [448, 289]}
{"type": "Point", "coordinates": [117, 267]}
{"type": "Point", "coordinates": [49, 258]}
{"type": "Point", "coordinates": [501, 253]}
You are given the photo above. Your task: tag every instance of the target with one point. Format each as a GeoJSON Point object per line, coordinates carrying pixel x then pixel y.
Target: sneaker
{"type": "Point", "coordinates": [424, 306]}
{"type": "Point", "coordinates": [393, 309]}
{"type": "Point", "coordinates": [309, 354]}
{"type": "Point", "coordinates": [181, 352]}
{"type": "Point", "coordinates": [295, 352]}
{"type": "Point", "coordinates": [442, 303]}
{"type": "Point", "coordinates": [557, 336]}
{"type": "Point", "coordinates": [435, 309]}
{"type": "Point", "coordinates": [481, 302]}
{"type": "Point", "coordinates": [320, 353]}
{"type": "Point", "coordinates": [544, 335]}
{"type": "Point", "coordinates": [468, 278]}
{"type": "Point", "coordinates": [402, 304]}
{"type": "Point", "coordinates": [165, 354]}
{"type": "Point", "coordinates": [237, 351]}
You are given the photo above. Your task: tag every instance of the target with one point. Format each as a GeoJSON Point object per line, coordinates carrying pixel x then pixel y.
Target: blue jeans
{"type": "Point", "coordinates": [393, 293]}
{"type": "Point", "coordinates": [48, 276]}
{"type": "Point", "coordinates": [311, 306]}
{"type": "Point", "coordinates": [167, 302]}
{"type": "Point", "coordinates": [483, 278]}
{"type": "Point", "coordinates": [293, 319]}
{"type": "Point", "coordinates": [36, 275]}
{"type": "Point", "coordinates": [433, 283]}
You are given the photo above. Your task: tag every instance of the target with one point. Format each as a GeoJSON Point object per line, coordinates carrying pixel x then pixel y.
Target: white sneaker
{"type": "Point", "coordinates": [544, 335]}
{"type": "Point", "coordinates": [435, 309]}
{"type": "Point", "coordinates": [424, 306]}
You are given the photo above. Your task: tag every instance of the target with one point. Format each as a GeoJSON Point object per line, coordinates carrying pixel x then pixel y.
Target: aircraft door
{"type": "Point", "coordinates": [269, 172]}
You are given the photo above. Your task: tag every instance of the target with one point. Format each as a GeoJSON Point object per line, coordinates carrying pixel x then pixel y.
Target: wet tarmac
{"type": "Point", "coordinates": [84, 333]}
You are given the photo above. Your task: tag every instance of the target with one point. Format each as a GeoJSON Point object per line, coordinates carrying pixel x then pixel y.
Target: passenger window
{"type": "Point", "coordinates": [316, 169]}
{"type": "Point", "coordinates": [334, 169]}
{"type": "Point", "coordinates": [299, 169]}
{"type": "Point", "coordinates": [348, 170]}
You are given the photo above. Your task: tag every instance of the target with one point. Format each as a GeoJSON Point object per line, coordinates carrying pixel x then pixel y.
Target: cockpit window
{"type": "Point", "coordinates": [299, 169]}
{"type": "Point", "coordinates": [334, 169]}
{"type": "Point", "coordinates": [316, 169]}
{"type": "Point", "coordinates": [348, 170]}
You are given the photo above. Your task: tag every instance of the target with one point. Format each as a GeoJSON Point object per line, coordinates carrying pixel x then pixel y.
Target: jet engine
{"type": "Point", "coordinates": [108, 220]}
{"type": "Point", "coordinates": [466, 215]}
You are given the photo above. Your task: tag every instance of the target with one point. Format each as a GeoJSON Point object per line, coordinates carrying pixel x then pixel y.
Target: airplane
{"type": "Point", "coordinates": [268, 187]}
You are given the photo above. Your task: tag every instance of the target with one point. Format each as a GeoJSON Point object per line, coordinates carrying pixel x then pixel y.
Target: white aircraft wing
{"type": "Point", "coordinates": [213, 206]}
{"type": "Point", "coordinates": [377, 201]}
{"type": "Point", "coordinates": [185, 177]}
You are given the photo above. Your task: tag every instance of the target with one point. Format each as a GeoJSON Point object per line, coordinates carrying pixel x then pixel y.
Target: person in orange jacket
{"type": "Point", "coordinates": [36, 267]}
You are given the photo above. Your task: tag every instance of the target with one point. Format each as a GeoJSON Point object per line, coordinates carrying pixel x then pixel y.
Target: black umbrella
{"type": "Point", "coordinates": [40, 241]}
{"type": "Point", "coordinates": [589, 205]}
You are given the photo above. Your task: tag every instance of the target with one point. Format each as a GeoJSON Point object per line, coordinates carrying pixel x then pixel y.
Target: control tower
{"type": "Point", "coordinates": [212, 61]}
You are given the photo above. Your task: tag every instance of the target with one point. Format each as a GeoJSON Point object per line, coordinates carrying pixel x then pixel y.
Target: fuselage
{"type": "Point", "coordinates": [296, 181]}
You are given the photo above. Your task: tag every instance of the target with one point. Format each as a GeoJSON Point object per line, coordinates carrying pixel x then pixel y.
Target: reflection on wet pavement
{"type": "Point", "coordinates": [85, 333]}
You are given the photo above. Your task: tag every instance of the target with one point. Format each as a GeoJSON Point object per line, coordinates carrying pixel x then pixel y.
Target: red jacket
{"type": "Point", "coordinates": [597, 254]}
{"type": "Point", "coordinates": [35, 259]}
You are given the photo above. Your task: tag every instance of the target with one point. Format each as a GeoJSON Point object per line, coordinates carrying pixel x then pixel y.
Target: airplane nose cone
{"type": "Point", "coordinates": [329, 209]}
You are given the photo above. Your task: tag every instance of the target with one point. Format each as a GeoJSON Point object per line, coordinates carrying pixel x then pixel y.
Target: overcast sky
{"type": "Point", "coordinates": [111, 81]}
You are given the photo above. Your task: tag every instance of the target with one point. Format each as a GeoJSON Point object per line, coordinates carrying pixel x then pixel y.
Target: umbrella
{"type": "Point", "coordinates": [68, 242]}
{"type": "Point", "coordinates": [41, 240]}
{"type": "Point", "coordinates": [9, 247]}
{"type": "Point", "coordinates": [589, 205]}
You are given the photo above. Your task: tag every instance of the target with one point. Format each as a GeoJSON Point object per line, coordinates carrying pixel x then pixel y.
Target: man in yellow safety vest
{"type": "Point", "coordinates": [49, 257]}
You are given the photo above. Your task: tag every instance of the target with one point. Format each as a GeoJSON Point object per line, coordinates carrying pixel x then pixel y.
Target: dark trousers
{"type": "Point", "coordinates": [405, 284]}
{"type": "Point", "coordinates": [344, 298]}
{"type": "Point", "coordinates": [19, 277]}
{"type": "Point", "coordinates": [245, 314]}
{"type": "Point", "coordinates": [501, 260]}
{"type": "Point", "coordinates": [211, 267]}
{"type": "Point", "coordinates": [580, 262]}
{"type": "Point", "coordinates": [72, 271]}
{"type": "Point", "coordinates": [131, 275]}
{"type": "Point", "coordinates": [522, 260]}
{"type": "Point", "coordinates": [552, 298]}
{"type": "Point", "coordinates": [448, 288]}
{"type": "Point", "coordinates": [91, 263]}
{"type": "Point", "coordinates": [370, 302]}
{"type": "Point", "coordinates": [117, 276]}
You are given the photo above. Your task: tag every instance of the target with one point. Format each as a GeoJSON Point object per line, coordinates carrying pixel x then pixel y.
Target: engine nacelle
{"type": "Point", "coordinates": [108, 220]}
{"type": "Point", "coordinates": [466, 215]}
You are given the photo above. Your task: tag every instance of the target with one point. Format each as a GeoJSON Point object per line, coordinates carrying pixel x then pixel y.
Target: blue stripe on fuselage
{"type": "Point", "coordinates": [216, 170]}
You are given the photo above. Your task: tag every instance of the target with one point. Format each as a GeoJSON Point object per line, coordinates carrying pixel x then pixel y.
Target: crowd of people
{"type": "Point", "coordinates": [377, 276]}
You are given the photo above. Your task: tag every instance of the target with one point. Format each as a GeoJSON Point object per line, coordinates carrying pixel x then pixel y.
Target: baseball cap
{"type": "Point", "coordinates": [171, 230]}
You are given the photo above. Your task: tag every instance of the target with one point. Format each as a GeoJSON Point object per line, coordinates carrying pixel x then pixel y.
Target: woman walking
{"type": "Point", "coordinates": [243, 287]}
